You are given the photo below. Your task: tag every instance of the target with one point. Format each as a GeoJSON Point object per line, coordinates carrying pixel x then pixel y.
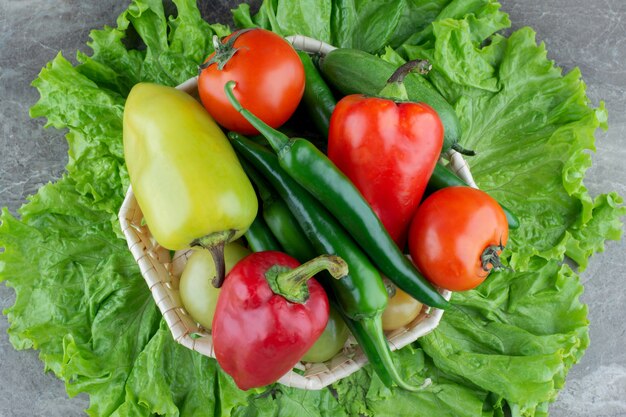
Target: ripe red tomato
{"type": "Point", "coordinates": [269, 77]}
{"type": "Point", "coordinates": [456, 236]}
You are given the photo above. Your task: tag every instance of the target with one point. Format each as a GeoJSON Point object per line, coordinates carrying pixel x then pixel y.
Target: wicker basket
{"type": "Point", "coordinates": [162, 272]}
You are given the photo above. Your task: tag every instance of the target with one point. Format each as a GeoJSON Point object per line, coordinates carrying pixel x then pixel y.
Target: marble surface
{"type": "Point", "coordinates": [590, 34]}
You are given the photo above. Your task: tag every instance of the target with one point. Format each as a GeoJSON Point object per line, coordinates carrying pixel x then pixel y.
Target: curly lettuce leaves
{"type": "Point", "coordinates": [532, 128]}
{"type": "Point", "coordinates": [441, 395]}
{"type": "Point", "coordinates": [362, 24]}
{"type": "Point", "coordinates": [516, 335]}
{"type": "Point", "coordinates": [75, 282]}
{"type": "Point", "coordinates": [80, 298]}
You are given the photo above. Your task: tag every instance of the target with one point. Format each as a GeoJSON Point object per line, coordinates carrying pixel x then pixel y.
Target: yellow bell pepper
{"type": "Point", "coordinates": [184, 173]}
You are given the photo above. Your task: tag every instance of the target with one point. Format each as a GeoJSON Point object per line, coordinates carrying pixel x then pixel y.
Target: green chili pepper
{"type": "Point", "coordinates": [360, 295]}
{"type": "Point", "coordinates": [442, 177]}
{"type": "Point", "coordinates": [279, 220]}
{"type": "Point", "coordinates": [318, 175]}
{"type": "Point", "coordinates": [367, 346]}
{"type": "Point", "coordinates": [318, 99]}
{"type": "Point", "coordinates": [260, 237]}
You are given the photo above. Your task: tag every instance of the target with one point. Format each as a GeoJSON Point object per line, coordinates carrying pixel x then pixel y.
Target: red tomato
{"type": "Point", "coordinates": [269, 77]}
{"type": "Point", "coordinates": [456, 236]}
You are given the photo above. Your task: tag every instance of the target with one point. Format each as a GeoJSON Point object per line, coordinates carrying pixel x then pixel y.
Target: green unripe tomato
{"type": "Point", "coordinates": [198, 295]}
{"type": "Point", "coordinates": [331, 341]}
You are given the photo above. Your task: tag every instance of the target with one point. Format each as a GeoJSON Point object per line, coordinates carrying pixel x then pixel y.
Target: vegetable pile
{"type": "Point", "coordinates": [507, 346]}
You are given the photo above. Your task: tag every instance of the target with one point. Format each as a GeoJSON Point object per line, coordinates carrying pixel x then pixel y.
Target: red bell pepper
{"type": "Point", "coordinates": [269, 314]}
{"type": "Point", "coordinates": [388, 147]}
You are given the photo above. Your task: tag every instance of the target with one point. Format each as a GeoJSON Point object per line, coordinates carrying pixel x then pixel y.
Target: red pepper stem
{"type": "Point", "coordinates": [374, 329]}
{"type": "Point", "coordinates": [395, 89]}
{"type": "Point", "coordinates": [291, 283]}
{"type": "Point", "coordinates": [278, 140]}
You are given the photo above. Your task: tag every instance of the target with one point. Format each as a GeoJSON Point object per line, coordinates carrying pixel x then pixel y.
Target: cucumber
{"type": "Point", "coordinates": [352, 71]}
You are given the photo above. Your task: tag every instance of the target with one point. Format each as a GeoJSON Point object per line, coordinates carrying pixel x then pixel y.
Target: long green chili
{"type": "Point", "coordinates": [318, 175]}
{"type": "Point", "coordinates": [282, 224]}
{"type": "Point", "coordinates": [361, 295]}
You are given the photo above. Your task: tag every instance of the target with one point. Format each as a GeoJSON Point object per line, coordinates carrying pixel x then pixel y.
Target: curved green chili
{"type": "Point", "coordinates": [367, 345]}
{"type": "Point", "coordinates": [260, 237]}
{"type": "Point", "coordinates": [318, 175]}
{"type": "Point", "coordinates": [325, 234]}
{"type": "Point", "coordinates": [279, 220]}
{"type": "Point", "coordinates": [442, 177]}
{"type": "Point", "coordinates": [324, 103]}
{"type": "Point", "coordinates": [318, 98]}
{"type": "Point", "coordinates": [361, 295]}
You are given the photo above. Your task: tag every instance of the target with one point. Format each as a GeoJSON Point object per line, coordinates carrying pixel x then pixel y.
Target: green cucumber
{"type": "Point", "coordinates": [352, 71]}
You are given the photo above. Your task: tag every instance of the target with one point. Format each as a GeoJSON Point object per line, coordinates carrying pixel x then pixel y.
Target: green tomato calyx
{"type": "Point", "coordinates": [224, 51]}
{"type": "Point", "coordinates": [490, 258]}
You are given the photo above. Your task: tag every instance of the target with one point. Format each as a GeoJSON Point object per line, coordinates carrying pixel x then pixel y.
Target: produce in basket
{"type": "Point", "coordinates": [505, 350]}
{"type": "Point", "coordinates": [197, 294]}
{"type": "Point", "coordinates": [354, 71]}
{"type": "Point", "coordinates": [361, 295]}
{"type": "Point", "coordinates": [280, 222]}
{"type": "Point", "coordinates": [316, 173]}
{"type": "Point", "coordinates": [331, 341]}
{"type": "Point", "coordinates": [401, 310]}
{"type": "Point", "coordinates": [457, 236]}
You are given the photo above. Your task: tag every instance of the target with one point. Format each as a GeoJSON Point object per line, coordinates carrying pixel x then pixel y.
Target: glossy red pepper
{"type": "Point", "coordinates": [388, 148]}
{"type": "Point", "coordinates": [269, 314]}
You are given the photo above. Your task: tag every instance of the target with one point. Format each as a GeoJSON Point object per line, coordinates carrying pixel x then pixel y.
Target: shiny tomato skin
{"type": "Point", "coordinates": [401, 310]}
{"type": "Point", "coordinates": [449, 233]}
{"type": "Point", "coordinates": [269, 77]}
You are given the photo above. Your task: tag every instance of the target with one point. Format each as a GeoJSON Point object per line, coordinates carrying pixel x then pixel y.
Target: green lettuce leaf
{"type": "Point", "coordinates": [516, 335]}
{"type": "Point", "coordinates": [362, 24]}
{"type": "Point", "coordinates": [532, 128]}
{"type": "Point", "coordinates": [507, 348]}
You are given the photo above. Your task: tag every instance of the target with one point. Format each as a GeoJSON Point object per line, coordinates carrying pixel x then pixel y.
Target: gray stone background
{"type": "Point", "coordinates": [590, 34]}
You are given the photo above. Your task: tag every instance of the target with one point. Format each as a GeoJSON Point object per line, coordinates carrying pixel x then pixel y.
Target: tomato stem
{"type": "Point", "coordinates": [291, 283]}
{"type": "Point", "coordinates": [223, 51]}
{"type": "Point", "coordinates": [490, 258]}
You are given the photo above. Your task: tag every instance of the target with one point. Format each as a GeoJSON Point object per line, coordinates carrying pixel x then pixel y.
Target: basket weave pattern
{"type": "Point", "coordinates": [162, 272]}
